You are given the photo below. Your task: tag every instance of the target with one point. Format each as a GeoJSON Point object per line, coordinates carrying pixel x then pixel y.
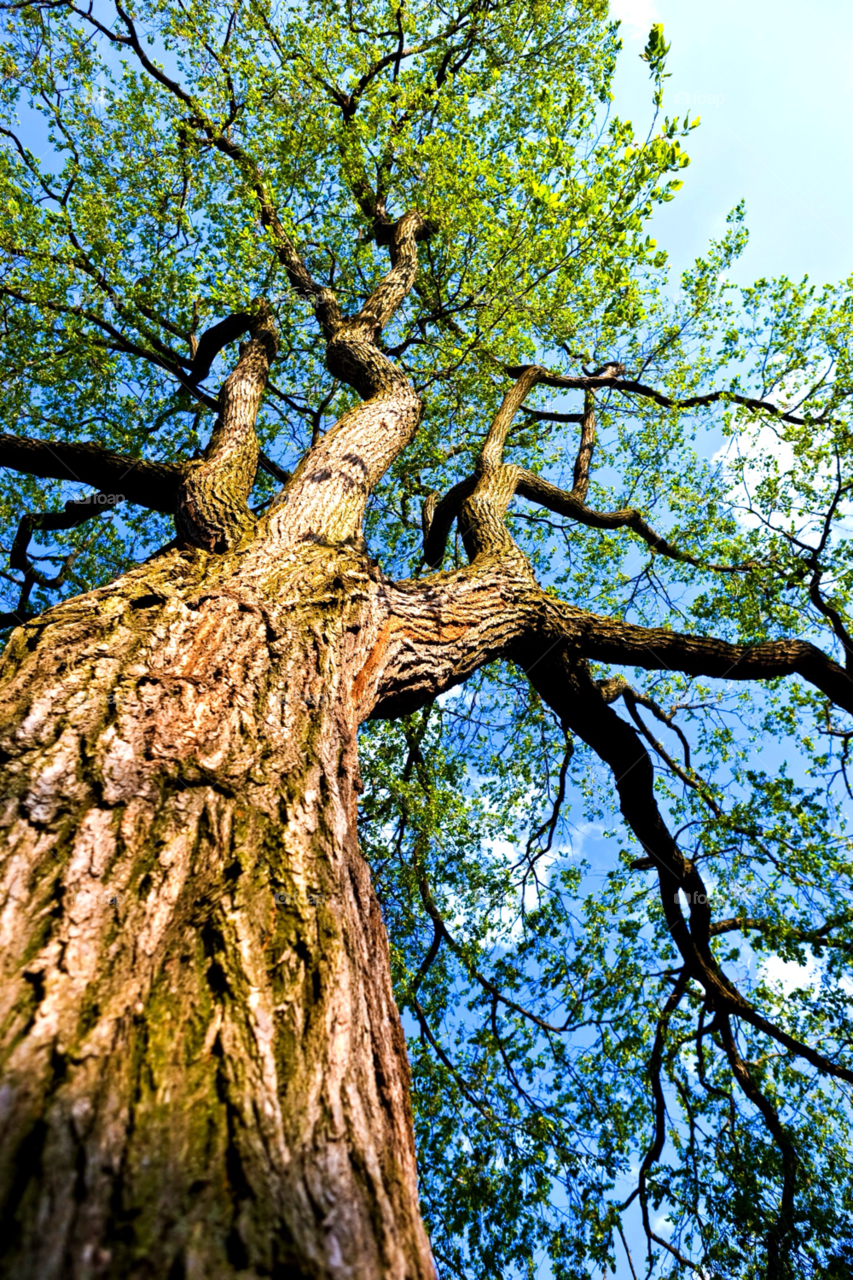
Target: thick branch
{"type": "Point", "coordinates": [328, 492]}
{"type": "Point", "coordinates": [433, 634]}
{"type": "Point", "coordinates": [656, 649]}
{"type": "Point", "coordinates": [149, 484]}
{"type": "Point", "coordinates": [480, 502]}
{"type": "Point", "coordinates": [214, 339]}
{"type": "Point", "coordinates": [397, 283]}
{"type": "Point", "coordinates": [352, 354]}
{"type": "Point", "coordinates": [496, 604]}
{"type": "Point", "coordinates": [580, 480]}
{"type": "Point", "coordinates": [618, 687]}
{"type": "Point", "coordinates": [567, 687]}
{"type": "Point", "coordinates": [491, 455]}
{"type": "Point", "coordinates": [115, 340]}
{"type": "Point", "coordinates": [213, 510]}
{"type": "Point", "coordinates": [817, 937]}
{"type": "Point", "coordinates": [75, 513]}
{"type": "Point", "coordinates": [550, 653]}
{"type": "Point", "coordinates": [438, 517]}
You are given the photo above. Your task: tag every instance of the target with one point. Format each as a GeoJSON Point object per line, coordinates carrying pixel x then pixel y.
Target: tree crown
{"type": "Point", "coordinates": [179, 177]}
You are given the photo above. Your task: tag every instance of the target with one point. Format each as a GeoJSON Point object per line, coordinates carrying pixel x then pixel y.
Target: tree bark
{"type": "Point", "coordinates": [204, 1070]}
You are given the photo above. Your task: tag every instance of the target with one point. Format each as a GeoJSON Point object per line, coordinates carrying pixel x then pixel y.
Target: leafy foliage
{"type": "Point", "coordinates": [532, 960]}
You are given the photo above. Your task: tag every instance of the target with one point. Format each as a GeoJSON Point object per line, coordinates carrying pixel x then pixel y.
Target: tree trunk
{"type": "Point", "coordinates": [204, 1073]}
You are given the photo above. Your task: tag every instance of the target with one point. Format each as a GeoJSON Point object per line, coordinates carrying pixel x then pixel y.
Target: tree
{"type": "Point", "coordinates": [425, 226]}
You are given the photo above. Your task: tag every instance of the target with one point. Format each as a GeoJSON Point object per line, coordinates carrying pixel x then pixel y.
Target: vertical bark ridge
{"type": "Point", "coordinates": [328, 493]}
{"type": "Point", "coordinates": [204, 1071]}
{"type": "Point", "coordinates": [583, 462]}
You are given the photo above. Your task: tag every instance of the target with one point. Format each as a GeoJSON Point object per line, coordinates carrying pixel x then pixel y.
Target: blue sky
{"type": "Point", "coordinates": [772, 81]}
{"type": "Point", "coordinates": [773, 85]}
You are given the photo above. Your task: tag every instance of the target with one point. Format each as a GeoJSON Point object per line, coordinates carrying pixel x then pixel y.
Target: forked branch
{"type": "Point", "coordinates": [394, 287]}
{"type": "Point", "coordinates": [439, 515]}
{"type": "Point", "coordinates": [564, 683]}
{"type": "Point", "coordinates": [75, 513]}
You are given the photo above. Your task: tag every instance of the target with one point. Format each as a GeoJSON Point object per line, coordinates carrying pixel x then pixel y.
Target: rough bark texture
{"type": "Point", "coordinates": [204, 1072]}
{"type": "Point", "coordinates": [213, 501]}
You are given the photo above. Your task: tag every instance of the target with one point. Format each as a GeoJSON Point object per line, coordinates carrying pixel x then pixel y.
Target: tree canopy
{"type": "Point", "coordinates": [683, 453]}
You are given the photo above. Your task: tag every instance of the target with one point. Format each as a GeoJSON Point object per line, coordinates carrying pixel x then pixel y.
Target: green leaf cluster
{"type": "Point", "coordinates": [126, 230]}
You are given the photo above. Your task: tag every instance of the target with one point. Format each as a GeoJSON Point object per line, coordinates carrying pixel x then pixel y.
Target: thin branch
{"type": "Point", "coordinates": [547, 495]}
{"type": "Point", "coordinates": [627, 387]}
{"type": "Point", "coordinates": [781, 1231]}
{"type": "Point", "coordinates": [303, 284]}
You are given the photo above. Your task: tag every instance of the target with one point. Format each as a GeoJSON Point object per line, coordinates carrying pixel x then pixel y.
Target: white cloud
{"type": "Point", "coordinates": [662, 1225]}
{"type": "Point", "coordinates": [787, 975]}
{"type": "Point", "coordinates": [583, 834]}
{"type": "Point", "coordinates": [637, 17]}
{"type": "Point", "coordinates": [757, 448]}
{"type": "Point", "coordinates": [754, 445]}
